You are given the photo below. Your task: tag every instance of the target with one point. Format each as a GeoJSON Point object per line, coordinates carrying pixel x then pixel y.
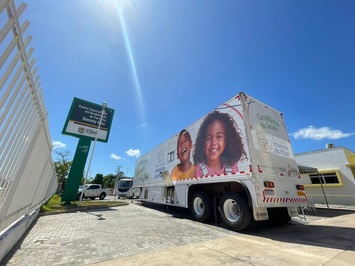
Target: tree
{"type": "Point", "coordinates": [99, 179]}
{"type": "Point", "coordinates": [109, 180]}
{"type": "Point", "coordinates": [62, 167]}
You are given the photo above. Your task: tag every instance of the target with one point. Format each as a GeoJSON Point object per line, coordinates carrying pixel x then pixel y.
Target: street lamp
{"type": "Point", "coordinates": [104, 105]}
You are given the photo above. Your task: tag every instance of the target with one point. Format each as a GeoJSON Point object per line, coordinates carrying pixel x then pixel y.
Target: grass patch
{"type": "Point", "coordinates": [55, 205]}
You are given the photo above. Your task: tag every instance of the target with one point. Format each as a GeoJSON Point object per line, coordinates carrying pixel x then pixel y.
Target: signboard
{"type": "Point", "coordinates": [83, 121]}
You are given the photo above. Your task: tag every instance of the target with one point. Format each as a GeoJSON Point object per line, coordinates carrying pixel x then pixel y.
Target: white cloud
{"type": "Point", "coordinates": [115, 157]}
{"type": "Point", "coordinates": [313, 133]}
{"type": "Point", "coordinates": [58, 144]}
{"type": "Point", "coordinates": [133, 153]}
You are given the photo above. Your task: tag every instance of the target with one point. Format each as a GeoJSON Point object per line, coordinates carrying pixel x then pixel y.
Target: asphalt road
{"type": "Point", "coordinates": [155, 235]}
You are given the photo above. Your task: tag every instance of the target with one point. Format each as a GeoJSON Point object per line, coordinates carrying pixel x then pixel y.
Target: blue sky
{"type": "Point", "coordinates": [162, 64]}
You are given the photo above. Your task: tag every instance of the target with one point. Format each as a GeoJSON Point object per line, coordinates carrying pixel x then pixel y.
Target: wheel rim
{"type": "Point", "coordinates": [231, 210]}
{"type": "Point", "coordinates": [199, 206]}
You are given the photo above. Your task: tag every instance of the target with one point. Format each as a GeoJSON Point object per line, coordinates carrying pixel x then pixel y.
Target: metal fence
{"type": "Point", "coordinates": [27, 173]}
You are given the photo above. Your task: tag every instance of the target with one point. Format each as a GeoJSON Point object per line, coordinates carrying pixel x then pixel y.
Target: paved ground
{"type": "Point", "coordinates": [137, 235]}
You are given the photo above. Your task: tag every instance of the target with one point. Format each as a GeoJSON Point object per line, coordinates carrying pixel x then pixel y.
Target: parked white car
{"type": "Point", "coordinates": [93, 191]}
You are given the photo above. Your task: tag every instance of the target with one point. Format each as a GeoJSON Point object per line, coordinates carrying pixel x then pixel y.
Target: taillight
{"type": "Point", "coordinates": [269, 184]}
{"type": "Point", "coordinates": [300, 187]}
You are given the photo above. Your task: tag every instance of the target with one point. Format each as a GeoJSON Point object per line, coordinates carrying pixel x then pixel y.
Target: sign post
{"type": "Point", "coordinates": [104, 105]}
{"type": "Point", "coordinates": [87, 121]}
{"type": "Point", "coordinates": [76, 171]}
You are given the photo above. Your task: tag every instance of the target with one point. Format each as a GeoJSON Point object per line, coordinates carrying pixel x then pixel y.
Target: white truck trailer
{"type": "Point", "coordinates": [235, 163]}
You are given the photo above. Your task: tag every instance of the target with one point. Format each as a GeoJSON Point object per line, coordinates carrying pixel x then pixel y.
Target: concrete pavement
{"type": "Point", "coordinates": [137, 235]}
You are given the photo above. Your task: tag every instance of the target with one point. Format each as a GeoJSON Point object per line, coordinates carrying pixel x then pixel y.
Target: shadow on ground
{"type": "Point", "coordinates": [306, 233]}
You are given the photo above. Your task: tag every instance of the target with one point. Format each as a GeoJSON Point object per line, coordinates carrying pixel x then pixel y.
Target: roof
{"type": "Point", "coordinates": [306, 169]}
{"type": "Point", "coordinates": [325, 150]}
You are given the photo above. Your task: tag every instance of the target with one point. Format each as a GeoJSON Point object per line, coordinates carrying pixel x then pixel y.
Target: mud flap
{"type": "Point", "coordinates": [292, 211]}
{"type": "Point", "coordinates": [260, 214]}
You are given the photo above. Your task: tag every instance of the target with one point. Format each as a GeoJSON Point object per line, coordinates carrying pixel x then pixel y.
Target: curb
{"type": "Point", "coordinates": [85, 208]}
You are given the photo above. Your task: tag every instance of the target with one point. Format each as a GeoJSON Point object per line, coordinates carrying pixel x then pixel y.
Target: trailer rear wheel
{"type": "Point", "coordinates": [235, 212]}
{"type": "Point", "coordinates": [201, 206]}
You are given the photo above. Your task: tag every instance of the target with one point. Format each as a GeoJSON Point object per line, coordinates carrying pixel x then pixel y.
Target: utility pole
{"type": "Point", "coordinates": [117, 173]}
{"type": "Point", "coordinates": [118, 169]}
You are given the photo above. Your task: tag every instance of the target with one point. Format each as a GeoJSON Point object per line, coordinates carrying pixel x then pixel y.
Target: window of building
{"type": "Point", "coordinates": [326, 178]}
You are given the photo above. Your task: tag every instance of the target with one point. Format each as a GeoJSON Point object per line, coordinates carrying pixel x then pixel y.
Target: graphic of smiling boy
{"type": "Point", "coordinates": [218, 146]}
{"type": "Point", "coordinates": [185, 169]}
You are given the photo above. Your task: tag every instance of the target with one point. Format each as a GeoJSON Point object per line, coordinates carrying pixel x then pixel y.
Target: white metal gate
{"type": "Point", "coordinates": [27, 173]}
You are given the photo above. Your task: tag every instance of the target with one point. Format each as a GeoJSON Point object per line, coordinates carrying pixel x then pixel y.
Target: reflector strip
{"type": "Point", "coordinates": [217, 175]}
{"type": "Point", "coordinates": [277, 200]}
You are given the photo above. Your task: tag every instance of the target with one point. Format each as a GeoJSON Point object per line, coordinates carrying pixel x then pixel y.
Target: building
{"type": "Point", "coordinates": [329, 175]}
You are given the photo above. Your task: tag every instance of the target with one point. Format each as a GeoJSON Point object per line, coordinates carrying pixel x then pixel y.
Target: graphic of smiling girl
{"type": "Point", "coordinates": [218, 146]}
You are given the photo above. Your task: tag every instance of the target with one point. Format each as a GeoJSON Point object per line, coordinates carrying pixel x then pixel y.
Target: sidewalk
{"type": "Point", "coordinates": [137, 235]}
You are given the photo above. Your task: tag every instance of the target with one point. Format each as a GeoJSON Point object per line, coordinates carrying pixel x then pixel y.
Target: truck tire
{"type": "Point", "coordinates": [201, 206]}
{"type": "Point", "coordinates": [235, 212]}
{"type": "Point", "coordinates": [102, 195]}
